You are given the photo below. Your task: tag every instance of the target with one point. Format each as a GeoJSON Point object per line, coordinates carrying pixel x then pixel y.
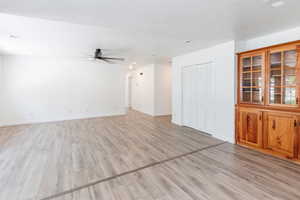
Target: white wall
{"type": "Point", "coordinates": [268, 40]}
{"type": "Point", "coordinates": [163, 89]}
{"type": "Point", "coordinates": [39, 89]}
{"type": "Point", "coordinates": [143, 89]}
{"type": "Point", "coordinates": [223, 59]}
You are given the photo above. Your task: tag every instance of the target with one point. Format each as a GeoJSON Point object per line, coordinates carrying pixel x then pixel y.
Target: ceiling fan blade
{"type": "Point", "coordinates": [109, 58]}
{"type": "Point", "coordinates": [106, 60]}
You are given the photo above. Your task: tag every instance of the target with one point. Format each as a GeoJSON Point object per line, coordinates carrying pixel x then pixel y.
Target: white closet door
{"type": "Point", "coordinates": [198, 96]}
{"type": "Point", "coordinates": [210, 119]}
{"type": "Point", "coordinates": [187, 97]}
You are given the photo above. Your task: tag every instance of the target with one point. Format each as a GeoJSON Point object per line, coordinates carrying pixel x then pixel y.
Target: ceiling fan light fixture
{"type": "Point", "coordinates": [99, 56]}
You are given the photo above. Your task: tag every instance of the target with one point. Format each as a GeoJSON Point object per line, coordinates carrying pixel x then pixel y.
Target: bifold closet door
{"type": "Point", "coordinates": [198, 96]}
{"type": "Point", "coordinates": [189, 92]}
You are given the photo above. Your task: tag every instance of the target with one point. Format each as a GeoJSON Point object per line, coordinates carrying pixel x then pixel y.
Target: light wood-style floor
{"type": "Point", "coordinates": [135, 157]}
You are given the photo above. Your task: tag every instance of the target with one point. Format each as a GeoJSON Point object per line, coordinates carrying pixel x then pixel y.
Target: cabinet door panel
{"type": "Point", "coordinates": [281, 133]}
{"type": "Point", "coordinates": [251, 78]}
{"type": "Point", "coordinates": [242, 126]}
{"type": "Point", "coordinates": [252, 131]}
{"type": "Point", "coordinates": [250, 127]}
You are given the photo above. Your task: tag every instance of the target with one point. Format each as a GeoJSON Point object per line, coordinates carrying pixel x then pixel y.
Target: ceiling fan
{"type": "Point", "coordinates": [99, 56]}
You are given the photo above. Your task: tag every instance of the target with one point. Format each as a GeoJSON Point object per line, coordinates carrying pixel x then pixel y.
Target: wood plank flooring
{"type": "Point", "coordinates": [224, 172]}
{"type": "Point", "coordinates": [37, 161]}
{"type": "Point", "coordinates": [135, 157]}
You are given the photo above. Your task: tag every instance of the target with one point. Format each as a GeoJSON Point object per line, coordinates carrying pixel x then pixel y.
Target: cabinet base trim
{"type": "Point", "coordinates": [270, 153]}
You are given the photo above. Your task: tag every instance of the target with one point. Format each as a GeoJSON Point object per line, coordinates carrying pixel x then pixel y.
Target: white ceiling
{"type": "Point", "coordinates": [138, 29]}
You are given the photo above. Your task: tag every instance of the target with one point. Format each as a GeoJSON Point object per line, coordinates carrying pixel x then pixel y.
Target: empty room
{"type": "Point", "coordinates": [150, 100]}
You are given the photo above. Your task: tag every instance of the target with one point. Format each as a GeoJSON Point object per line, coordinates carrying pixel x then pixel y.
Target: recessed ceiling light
{"type": "Point", "coordinates": [14, 36]}
{"type": "Point", "coordinates": [277, 4]}
{"type": "Point", "coordinates": [134, 63]}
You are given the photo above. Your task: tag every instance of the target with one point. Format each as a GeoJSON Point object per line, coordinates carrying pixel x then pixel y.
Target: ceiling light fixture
{"type": "Point", "coordinates": [14, 36]}
{"type": "Point", "coordinates": [277, 4]}
{"type": "Point", "coordinates": [274, 3]}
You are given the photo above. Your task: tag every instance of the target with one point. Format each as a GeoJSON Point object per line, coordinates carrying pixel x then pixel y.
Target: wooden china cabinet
{"type": "Point", "coordinates": [268, 108]}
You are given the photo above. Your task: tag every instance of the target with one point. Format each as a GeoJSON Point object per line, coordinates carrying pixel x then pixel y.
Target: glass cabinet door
{"type": "Point", "coordinates": [282, 78]}
{"type": "Point", "coordinates": [251, 83]}
{"type": "Point", "coordinates": [275, 78]}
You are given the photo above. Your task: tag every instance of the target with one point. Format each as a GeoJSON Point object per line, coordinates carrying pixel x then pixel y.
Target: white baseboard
{"type": "Point", "coordinates": [224, 138]}
{"type": "Point", "coordinates": [27, 122]}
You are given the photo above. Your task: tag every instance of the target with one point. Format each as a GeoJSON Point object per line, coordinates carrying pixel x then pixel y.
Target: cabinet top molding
{"type": "Point", "coordinates": [269, 47]}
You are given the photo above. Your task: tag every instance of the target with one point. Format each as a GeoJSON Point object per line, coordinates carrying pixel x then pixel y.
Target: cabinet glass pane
{"type": "Point", "coordinates": [246, 95]}
{"type": "Point", "coordinates": [256, 95]}
{"type": "Point", "coordinates": [290, 58]}
{"type": "Point", "coordinates": [257, 79]}
{"type": "Point", "coordinates": [275, 95]}
{"type": "Point", "coordinates": [246, 79]}
{"type": "Point", "coordinates": [251, 79]}
{"type": "Point", "coordinates": [246, 64]}
{"type": "Point", "coordinates": [256, 63]}
{"type": "Point", "coordinates": [275, 78]}
{"type": "Point", "coordinates": [275, 60]}
{"type": "Point", "coordinates": [289, 96]}
{"type": "Point", "coordinates": [289, 78]}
